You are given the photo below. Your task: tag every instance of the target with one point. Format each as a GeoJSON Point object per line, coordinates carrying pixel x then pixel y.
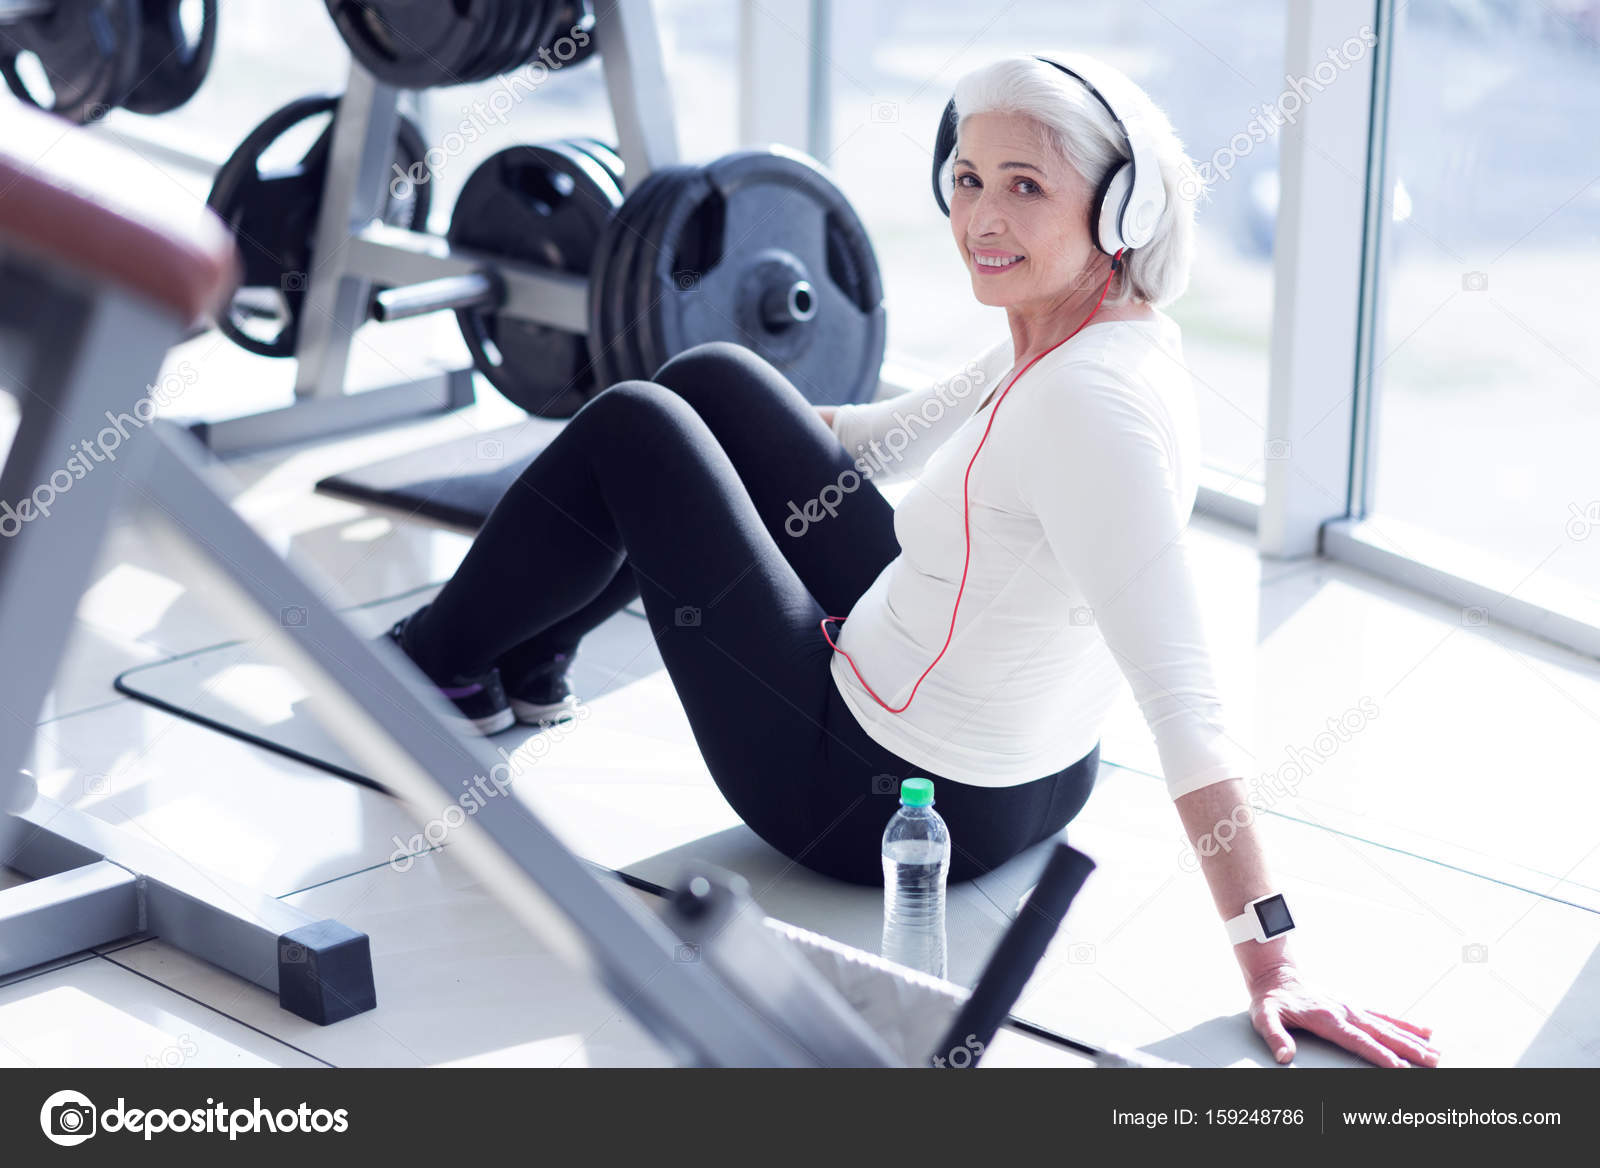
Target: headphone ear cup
{"type": "Point", "coordinates": [1105, 215]}
{"type": "Point", "coordinates": [944, 146]}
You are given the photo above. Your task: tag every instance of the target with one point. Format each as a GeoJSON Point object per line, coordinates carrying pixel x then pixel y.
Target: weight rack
{"type": "Point", "coordinates": [422, 273]}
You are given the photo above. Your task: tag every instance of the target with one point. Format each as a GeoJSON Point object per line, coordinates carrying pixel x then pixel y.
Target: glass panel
{"type": "Point", "coordinates": [1487, 413]}
{"type": "Point", "coordinates": [1212, 66]}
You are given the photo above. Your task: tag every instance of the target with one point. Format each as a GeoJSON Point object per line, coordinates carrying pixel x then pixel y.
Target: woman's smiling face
{"type": "Point", "coordinates": [1019, 213]}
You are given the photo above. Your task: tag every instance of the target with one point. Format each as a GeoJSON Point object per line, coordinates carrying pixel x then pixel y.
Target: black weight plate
{"type": "Point", "coordinates": [606, 276]}
{"type": "Point", "coordinates": [605, 155]}
{"type": "Point", "coordinates": [599, 274]}
{"type": "Point", "coordinates": [171, 67]}
{"type": "Point", "coordinates": [274, 218]}
{"type": "Point", "coordinates": [507, 38]}
{"type": "Point", "coordinates": [641, 296]}
{"type": "Point", "coordinates": [483, 16]}
{"type": "Point", "coordinates": [533, 13]}
{"type": "Point", "coordinates": [647, 355]}
{"type": "Point", "coordinates": [620, 310]}
{"type": "Point", "coordinates": [486, 16]}
{"type": "Point", "coordinates": [412, 44]}
{"type": "Point", "coordinates": [546, 206]}
{"type": "Point", "coordinates": [584, 23]}
{"type": "Point", "coordinates": [89, 50]}
{"type": "Point", "coordinates": [574, 20]}
{"type": "Point", "coordinates": [757, 221]}
{"type": "Point", "coordinates": [549, 26]}
{"type": "Point", "coordinates": [500, 18]}
{"type": "Point", "coordinates": [645, 349]}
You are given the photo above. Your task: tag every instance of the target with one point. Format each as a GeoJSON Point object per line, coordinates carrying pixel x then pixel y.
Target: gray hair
{"type": "Point", "coordinates": [1077, 129]}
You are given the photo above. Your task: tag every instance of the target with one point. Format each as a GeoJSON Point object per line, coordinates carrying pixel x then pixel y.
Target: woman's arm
{"type": "Point", "coordinates": [1234, 865]}
{"type": "Point", "coordinates": [1279, 998]}
{"type": "Point", "coordinates": [895, 436]}
{"type": "Point", "coordinates": [1094, 459]}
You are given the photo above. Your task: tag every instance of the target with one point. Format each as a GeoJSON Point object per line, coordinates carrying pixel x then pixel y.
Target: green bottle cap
{"type": "Point", "coordinates": [916, 792]}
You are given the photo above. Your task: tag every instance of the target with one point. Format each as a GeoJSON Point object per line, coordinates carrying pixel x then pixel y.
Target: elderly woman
{"type": "Point", "coordinates": [1030, 572]}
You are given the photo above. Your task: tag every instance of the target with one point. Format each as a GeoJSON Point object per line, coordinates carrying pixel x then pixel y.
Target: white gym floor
{"type": "Point", "coordinates": [1441, 853]}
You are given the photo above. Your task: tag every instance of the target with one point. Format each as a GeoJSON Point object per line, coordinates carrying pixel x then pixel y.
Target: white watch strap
{"type": "Point", "coordinates": [1244, 927]}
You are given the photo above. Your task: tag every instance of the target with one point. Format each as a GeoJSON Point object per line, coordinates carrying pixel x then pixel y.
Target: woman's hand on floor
{"type": "Point", "coordinates": [1279, 999]}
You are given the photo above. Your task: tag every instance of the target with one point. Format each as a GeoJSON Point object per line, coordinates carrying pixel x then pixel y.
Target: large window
{"type": "Point", "coordinates": [1211, 65]}
{"type": "Point", "coordinates": [1487, 416]}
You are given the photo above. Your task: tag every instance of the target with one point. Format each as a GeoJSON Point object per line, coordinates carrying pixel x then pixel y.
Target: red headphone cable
{"type": "Point", "coordinates": [1116, 266]}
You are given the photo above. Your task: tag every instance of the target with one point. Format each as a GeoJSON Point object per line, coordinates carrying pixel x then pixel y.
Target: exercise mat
{"type": "Point", "coordinates": [236, 689]}
{"type": "Point", "coordinates": [456, 482]}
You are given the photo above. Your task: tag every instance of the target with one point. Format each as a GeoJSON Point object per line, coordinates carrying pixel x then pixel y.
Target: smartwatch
{"type": "Point", "coordinates": [1263, 918]}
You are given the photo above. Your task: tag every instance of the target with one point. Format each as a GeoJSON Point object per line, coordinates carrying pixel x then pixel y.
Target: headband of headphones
{"type": "Point", "coordinates": [1129, 200]}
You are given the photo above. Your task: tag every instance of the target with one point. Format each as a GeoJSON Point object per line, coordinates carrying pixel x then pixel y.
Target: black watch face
{"type": "Point", "coordinates": [1274, 916]}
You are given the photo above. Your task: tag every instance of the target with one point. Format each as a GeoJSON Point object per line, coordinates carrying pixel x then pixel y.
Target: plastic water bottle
{"type": "Point", "coordinates": [916, 862]}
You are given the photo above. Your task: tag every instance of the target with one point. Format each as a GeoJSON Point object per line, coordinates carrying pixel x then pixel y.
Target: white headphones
{"type": "Point", "coordinates": [1130, 198]}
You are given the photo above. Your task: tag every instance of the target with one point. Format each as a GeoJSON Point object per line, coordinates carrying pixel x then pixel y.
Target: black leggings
{"type": "Point", "coordinates": [676, 490]}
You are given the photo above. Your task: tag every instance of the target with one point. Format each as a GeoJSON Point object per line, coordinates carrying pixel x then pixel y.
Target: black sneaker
{"type": "Point", "coordinates": [481, 700]}
{"type": "Point", "coordinates": [541, 697]}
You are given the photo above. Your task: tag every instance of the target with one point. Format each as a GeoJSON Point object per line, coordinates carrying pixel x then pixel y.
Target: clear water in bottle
{"type": "Point", "coordinates": [916, 863]}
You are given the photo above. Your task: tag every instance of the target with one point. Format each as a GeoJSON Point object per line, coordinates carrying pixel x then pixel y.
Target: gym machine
{"type": "Point", "coordinates": [570, 265]}
{"type": "Point", "coordinates": [90, 301]}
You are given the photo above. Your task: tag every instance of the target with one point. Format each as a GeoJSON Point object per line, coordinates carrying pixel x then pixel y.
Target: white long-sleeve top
{"type": "Point", "coordinates": [1080, 569]}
